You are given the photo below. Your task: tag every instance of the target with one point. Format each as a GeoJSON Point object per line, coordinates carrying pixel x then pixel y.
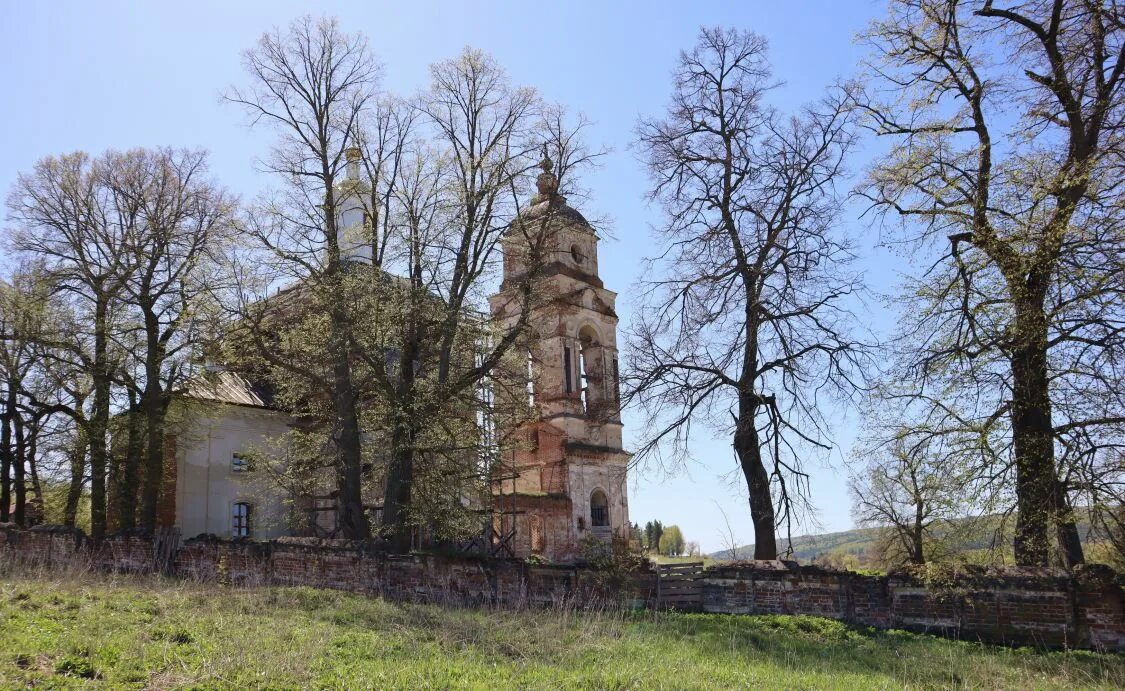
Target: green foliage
{"type": "Point", "coordinates": [123, 632]}
{"type": "Point", "coordinates": [672, 541]}
{"type": "Point", "coordinates": [283, 341]}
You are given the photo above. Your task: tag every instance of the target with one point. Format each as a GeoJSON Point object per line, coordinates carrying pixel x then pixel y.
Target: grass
{"type": "Point", "coordinates": [143, 632]}
{"type": "Point", "coordinates": [665, 559]}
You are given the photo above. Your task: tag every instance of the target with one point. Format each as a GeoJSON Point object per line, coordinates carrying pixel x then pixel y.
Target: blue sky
{"type": "Point", "coordinates": [92, 76]}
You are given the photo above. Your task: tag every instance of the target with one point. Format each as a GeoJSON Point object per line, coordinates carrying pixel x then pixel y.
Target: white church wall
{"type": "Point", "coordinates": [207, 486]}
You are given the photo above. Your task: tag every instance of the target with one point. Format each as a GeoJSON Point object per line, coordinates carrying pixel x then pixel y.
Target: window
{"type": "Point", "coordinates": [566, 368]}
{"type": "Point", "coordinates": [239, 463]}
{"type": "Point", "coordinates": [240, 519]}
{"type": "Point", "coordinates": [583, 379]}
{"type": "Point", "coordinates": [589, 354]}
{"type": "Point", "coordinates": [599, 509]}
{"type": "Point", "coordinates": [530, 380]}
{"type": "Point", "coordinates": [616, 385]}
{"type": "Point", "coordinates": [576, 254]}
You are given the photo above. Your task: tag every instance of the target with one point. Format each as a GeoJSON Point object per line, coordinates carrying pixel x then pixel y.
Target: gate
{"type": "Point", "coordinates": [680, 586]}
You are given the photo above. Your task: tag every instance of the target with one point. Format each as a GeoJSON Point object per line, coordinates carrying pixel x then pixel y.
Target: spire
{"type": "Point", "coordinates": [353, 155]}
{"type": "Point", "coordinates": [547, 183]}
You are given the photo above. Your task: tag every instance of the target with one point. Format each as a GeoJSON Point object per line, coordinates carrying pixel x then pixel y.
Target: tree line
{"type": "Point", "coordinates": [656, 538]}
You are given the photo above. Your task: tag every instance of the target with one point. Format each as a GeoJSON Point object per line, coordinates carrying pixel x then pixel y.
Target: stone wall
{"type": "Point", "coordinates": [1009, 605]}
{"type": "Point", "coordinates": [1042, 607]}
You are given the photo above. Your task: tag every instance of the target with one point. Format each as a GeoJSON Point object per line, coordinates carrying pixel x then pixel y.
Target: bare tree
{"type": "Point", "coordinates": [458, 197]}
{"type": "Point", "coordinates": [745, 324]}
{"type": "Point", "coordinates": [914, 495]}
{"type": "Point", "coordinates": [313, 84]}
{"type": "Point", "coordinates": [174, 218]}
{"type": "Point", "coordinates": [67, 219]}
{"type": "Point", "coordinates": [1006, 127]}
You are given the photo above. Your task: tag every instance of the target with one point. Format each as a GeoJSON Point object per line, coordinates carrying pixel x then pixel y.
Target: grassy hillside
{"type": "Point", "coordinates": [145, 633]}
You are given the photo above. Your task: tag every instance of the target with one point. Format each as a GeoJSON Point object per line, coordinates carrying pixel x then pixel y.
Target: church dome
{"type": "Point", "coordinates": [560, 210]}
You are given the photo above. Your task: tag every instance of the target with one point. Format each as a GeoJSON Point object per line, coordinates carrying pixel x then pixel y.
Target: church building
{"type": "Point", "coordinates": [563, 482]}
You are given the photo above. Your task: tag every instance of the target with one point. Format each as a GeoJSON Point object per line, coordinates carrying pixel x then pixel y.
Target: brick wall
{"type": "Point", "coordinates": [1044, 607]}
{"type": "Point", "coordinates": [1011, 605]}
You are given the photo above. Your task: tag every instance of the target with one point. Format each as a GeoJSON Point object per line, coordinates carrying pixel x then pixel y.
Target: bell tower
{"type": "Point", "coordinates": [567, 481]}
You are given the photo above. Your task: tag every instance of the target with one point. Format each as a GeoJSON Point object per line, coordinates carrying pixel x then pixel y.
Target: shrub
{"type": "Point", "coordinates": [612, 563]}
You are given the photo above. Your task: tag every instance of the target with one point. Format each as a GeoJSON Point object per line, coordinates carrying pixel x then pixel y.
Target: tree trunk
{"type": "Point", "coordinates": [77, 478]}
{"type": "Point", "coordinates": [99, 420]}
{"type": "Point", "coordinates": [1070, 543]}
{"type": "Point", "coordinates": [349, 457]}
{"type": "Point", "coordinates": [6, 456]}
{"type": "Point", "coordinates": [396, 502]}
{"type": "Point", "coordinates": [126, 499]}
{"type": "Point", "coordinates": [19, 465]}
{"type": "Point", "coordinates": [33, 464]}
{"type": "Point", "coordinates": [746, 446]}
{"type": "Point", "coordinates": [153, 405]}
{"type": "Point", "coordinates": [918, 529]}
{"type": "Point", "coordinates": [1033, 437]}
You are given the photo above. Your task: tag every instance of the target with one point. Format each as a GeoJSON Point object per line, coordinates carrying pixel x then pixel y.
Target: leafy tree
{"type": "Point", "coordinates": [70, 220]}
{"type": "Point", "coordinates": [391, 233]}
{"type": "Point", "coordinates": [313, 84]}
{"type": "Point", "coordinates": [177, 220]}
{"type": "Point", "coordinates": [653, 531]}
{"type": "Point", "coordinates": [672, 541]}
{"type": "Point", "coordinates": [1005, 129]}
{"type": "Point", "coordinates": [915, 495]}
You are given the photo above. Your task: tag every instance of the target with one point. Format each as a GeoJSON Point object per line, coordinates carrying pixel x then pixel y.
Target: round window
{"type": "Point", "coordinates": [577, 255]}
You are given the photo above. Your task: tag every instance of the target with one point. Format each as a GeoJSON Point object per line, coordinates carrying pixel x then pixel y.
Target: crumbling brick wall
{"type": "Point", "coordinates": [1047, 607]}
{"type": "Point", "coordinates": [1009, 605]}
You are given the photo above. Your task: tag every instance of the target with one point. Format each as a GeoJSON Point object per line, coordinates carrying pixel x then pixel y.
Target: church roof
{"type": "Point", "coordinates": [228, 387]}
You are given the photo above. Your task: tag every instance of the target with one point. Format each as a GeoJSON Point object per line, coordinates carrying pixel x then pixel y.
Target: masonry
{"type": "Point", "coordinates": [1023, 606]}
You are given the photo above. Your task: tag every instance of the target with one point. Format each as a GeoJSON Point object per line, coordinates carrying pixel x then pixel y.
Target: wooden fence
{"type": "Point", "coordinates": [680, 586]}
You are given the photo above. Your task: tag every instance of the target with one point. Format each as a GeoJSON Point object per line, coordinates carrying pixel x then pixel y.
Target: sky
{"type": "Point", "coordinates": [115, 75]}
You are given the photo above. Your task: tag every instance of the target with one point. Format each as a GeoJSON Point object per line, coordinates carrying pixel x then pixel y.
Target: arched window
{"type": "Point", "coordinates": [240, 519]}
{"type": "Point", "coordinates": [588, 353]}
{"type": "Point", "coordinates": [599, 509]}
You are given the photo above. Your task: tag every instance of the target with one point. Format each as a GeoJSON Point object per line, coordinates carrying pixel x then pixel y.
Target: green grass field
{"type": "Point", "coordinates": [132, 632]}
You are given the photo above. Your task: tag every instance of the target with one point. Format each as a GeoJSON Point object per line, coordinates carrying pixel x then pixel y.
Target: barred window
{"type": "Point", "coordinates": [599, 509]}
{"type": "Point", "coordinates": [240, 519]}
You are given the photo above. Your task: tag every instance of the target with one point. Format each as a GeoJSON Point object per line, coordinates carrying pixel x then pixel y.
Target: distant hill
{"type": "Point", "coordinates": [806, 548]}
{"type": "Point", "coordinates": [860, 542]}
